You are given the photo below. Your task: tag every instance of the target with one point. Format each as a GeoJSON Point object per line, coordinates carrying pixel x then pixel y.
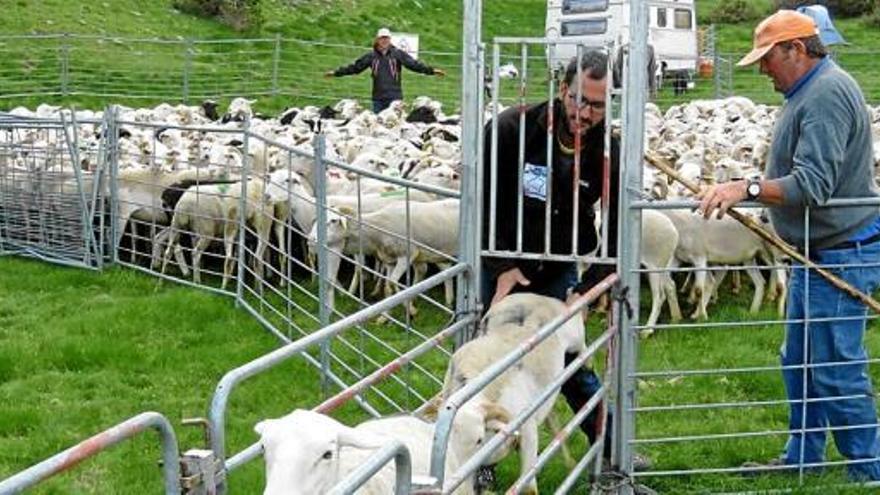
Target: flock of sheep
{"type": "Point", "coordinates": [181, 170]}
{"type": "Point", "coordinates": [180, 173]}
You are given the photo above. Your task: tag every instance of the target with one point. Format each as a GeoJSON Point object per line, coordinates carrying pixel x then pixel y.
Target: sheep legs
{"type": "Point", "coordinates": [528, 452]}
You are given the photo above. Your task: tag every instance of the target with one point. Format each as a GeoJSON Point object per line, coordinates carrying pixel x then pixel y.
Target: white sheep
{"type": "Point", "coordinates": [308, 453]}
{"type": "Point", "coordinates": [508, 323]}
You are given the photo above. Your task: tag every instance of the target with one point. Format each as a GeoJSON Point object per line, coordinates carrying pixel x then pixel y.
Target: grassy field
{"type": "Point", "coordinates": [80, 351]}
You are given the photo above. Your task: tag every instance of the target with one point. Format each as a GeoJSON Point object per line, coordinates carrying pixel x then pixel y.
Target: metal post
{"type": "Point", "coordinates": [321, 219]}
{"type": "Point", "coordinates": [470, 209]}
{"type": "Point", "coordinates": [629, 237]}
{"type": "Point", "coordinates": [187, 67]}
{"type": "Point", "coordinates": [65, 64]}
{"type": "Point", "coordinates": [716, 73]}
{"type": "Point", "coordinates": [72, 147]}
{"type": "Point", "coordinates": [112, 136]}
{"type": "Point", "coordinates": [242, 213]}
{"type": "Point", "coordinates": [276, 59]}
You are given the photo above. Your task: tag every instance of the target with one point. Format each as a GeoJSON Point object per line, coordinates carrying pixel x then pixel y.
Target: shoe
{"type": "Point", "coordinates": [640, 463]}
{"type": "Point", "coordinates": [751, 469]}
{"type": "Point", "coordinates": [485, 479]}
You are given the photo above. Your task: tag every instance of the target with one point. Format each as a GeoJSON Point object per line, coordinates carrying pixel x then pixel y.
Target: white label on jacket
{"type": "Point", "coordinates": [535, 181]}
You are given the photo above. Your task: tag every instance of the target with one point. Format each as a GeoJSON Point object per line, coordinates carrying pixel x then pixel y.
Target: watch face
{"type": "Point", "coordinates": [754, 190]}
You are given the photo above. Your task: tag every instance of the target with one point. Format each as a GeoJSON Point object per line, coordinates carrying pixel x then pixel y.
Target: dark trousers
{"type": "Point", "coordinates": [379, 105]}
{"type": "Point", "coordinates": [578, 389]}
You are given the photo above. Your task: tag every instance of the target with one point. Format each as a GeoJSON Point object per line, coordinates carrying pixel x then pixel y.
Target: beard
{"type": "Point", "coordinates": [572, 124]}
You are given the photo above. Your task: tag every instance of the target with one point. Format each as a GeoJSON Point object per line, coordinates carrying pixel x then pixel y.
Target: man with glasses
{"type": "Point", "coordinates": [572, 125]}
{"type": "Point", "coordinates": [821, 150]}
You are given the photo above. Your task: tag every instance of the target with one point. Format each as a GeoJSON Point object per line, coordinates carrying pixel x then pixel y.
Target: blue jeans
{"type": "Point", "coordinates": [578, 389]}
{"type": "Point", "coordinates": [832, 342]}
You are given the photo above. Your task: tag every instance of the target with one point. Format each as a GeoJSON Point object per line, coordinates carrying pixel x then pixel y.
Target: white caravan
{"type": "Point", "coordinates": [672, 30]}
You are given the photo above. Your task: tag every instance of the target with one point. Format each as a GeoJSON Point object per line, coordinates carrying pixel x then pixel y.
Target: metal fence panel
{"type": "Point", "coordinates": [52, 198]}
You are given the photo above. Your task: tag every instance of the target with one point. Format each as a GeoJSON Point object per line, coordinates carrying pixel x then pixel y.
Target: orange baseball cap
{"type": "Point", "coordinates": [782, 26]}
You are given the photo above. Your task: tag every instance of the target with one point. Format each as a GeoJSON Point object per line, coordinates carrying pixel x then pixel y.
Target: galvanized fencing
{"type": "Point", "coordinates": [228, 221]}
{"type": "Point", "coordinates": [135, 71]}
{"type": "Point", "coordinates": [132, 71]}
{"type": "Point", "coordinates": [52, 205]}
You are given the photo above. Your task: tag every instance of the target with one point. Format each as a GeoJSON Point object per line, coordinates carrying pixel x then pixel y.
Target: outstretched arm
{"type": "Point", "coordinates": [413, 64]}
{"type": "Point", "coordinates": [357, 67]}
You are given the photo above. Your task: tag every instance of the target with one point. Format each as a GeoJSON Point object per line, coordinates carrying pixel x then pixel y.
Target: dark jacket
{"type": "Point", "coordinates": [562, 196]}
{"type": "Point", "coordinates": [385, 71]}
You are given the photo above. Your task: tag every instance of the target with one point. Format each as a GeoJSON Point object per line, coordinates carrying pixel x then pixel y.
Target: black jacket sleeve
{"type": "Point", "coordinates": [413, 64]}
{"type": "Point", "coordinates": [505, 230]}
{"type": "Point", "coordinates": [596, 272]}
{"type": "Point", "coordinates": [357, 67]}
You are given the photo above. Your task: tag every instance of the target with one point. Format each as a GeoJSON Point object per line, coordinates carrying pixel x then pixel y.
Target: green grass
{"type": "Point", "coordinates": [81, 351]}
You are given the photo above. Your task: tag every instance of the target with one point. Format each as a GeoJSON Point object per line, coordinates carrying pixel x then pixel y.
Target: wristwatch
{"type": "Point", "coordinates": [753, 189]}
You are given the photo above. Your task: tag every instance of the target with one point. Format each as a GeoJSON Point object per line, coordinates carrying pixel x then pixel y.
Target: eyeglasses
{"type": "Point", "coordinates": [596, 106]}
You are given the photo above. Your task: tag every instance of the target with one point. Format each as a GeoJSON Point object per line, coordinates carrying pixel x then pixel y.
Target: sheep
{"type": "Point", "coordinates": [239, 110]}
{"type": "Point", "coordinates": [308, 453]}
{"type": "Point", "coordinates": [509, 322]}
{"type": "Point", "coordinates": [430, 237]}
{"type": "Point", "coordinates": [723, 241]}
{"type": "Point", "coordinates": [213, 210]}
{"type": "Point", "coordinates": [383, 229]}
{"type": "Point", "coordinates": [660, 239]}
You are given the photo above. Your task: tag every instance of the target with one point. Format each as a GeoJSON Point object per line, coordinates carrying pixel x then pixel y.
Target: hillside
{"type": "Point", "coordinates": [101, 71]}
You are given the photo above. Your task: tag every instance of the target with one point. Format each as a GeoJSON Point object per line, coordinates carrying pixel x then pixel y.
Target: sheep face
{"type": "Point", "coordinates": [302, 452]}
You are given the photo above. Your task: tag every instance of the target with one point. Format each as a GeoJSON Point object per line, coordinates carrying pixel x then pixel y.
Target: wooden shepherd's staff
{"type": "Point", "coordinates": [661, 164]}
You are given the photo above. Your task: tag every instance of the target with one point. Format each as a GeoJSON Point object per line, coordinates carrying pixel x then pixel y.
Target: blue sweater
{"type": "Point", "coordinates": [822, 149]}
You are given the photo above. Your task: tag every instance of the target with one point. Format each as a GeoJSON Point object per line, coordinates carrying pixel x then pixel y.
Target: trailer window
{"type": "Point", "coordinates": [585, 27]}
{"type": "Point", "coordinates": [682, 19]}
{"type": "Point", "coordinates": [661, 17]}
{"type": "Point", "coordinates": [583, 6]}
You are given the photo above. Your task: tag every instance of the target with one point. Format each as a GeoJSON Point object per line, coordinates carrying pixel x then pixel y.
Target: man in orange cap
{"type": "Point", "coordinates": [385, 61]}
{"type": "Point", "coordinates": [821, 150]}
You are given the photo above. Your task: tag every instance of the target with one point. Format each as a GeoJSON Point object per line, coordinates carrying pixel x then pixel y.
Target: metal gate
{"type": "Point", "coordinates": [52, 196]}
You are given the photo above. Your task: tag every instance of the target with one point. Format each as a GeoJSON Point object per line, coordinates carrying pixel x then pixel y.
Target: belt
{"type": "Point", "coordinates": [851, 244]}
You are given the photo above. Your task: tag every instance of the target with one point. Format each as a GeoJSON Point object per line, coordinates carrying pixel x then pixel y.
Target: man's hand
{"type": "Point", "coordinates": [721, 197]}
{"type": "Point", "coordinates": [440, 72]}
{"type": "Point", "coordinates": [506, 282]}
{"type": "Point", "coordinates": [329, 73]}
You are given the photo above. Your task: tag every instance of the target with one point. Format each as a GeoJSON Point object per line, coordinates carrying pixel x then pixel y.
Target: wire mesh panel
{"type": "Point", "coordinates": [137, 70]}
{"type": "Point", "coordinates": [52, 194]}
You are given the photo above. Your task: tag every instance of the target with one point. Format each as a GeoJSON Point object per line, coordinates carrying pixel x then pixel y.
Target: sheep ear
{"type": "Point", "coordinates": [349, 437]}
{"type": "Point", "coordinates": [347, 211]}
{"type": "Point", "coordinates": [494, 413]}
{"type": "Point", "coordinates": [430, 411]}
{"type": "Point", "coordinates": [261, 427]}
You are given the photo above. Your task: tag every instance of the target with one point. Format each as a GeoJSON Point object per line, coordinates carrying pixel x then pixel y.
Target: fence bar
{"type": "Point", "coordinates": [631, 166]}
{"type": "Point", "coordinates": [402, 469]}
{"type": "Point", "coordinates": [470, 204]}
{"type": "Point", "coordinates": [102, 441]}
{"type": "Point", "coordinates": [560, 439]}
